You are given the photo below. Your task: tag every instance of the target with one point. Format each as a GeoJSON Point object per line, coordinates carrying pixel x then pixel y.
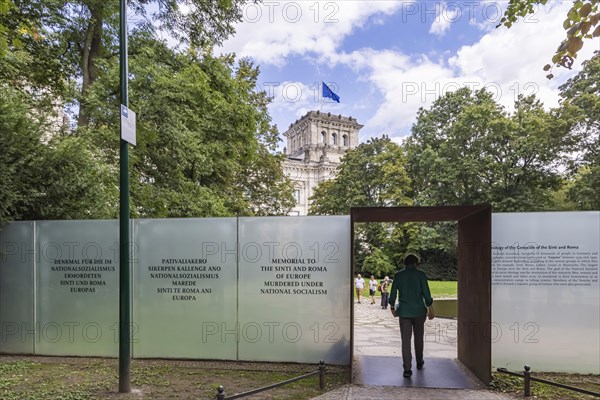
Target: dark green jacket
{"type": "Point", "coordinates": [412, 289]}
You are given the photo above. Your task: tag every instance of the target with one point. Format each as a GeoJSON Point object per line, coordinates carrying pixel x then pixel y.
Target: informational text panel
{"type": "Point", "coordinates": [545, 291]}
{"type": "Point", "coordinates": [77, 304]}
{"type": "Point", "coordinates": [294, 287]}
{"type": "Point", "coordinates": [185, 286]}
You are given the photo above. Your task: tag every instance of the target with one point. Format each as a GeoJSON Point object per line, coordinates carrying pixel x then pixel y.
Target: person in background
{"type": "Point", "coordinates": [359, 284]}
{"type": "Point", "coordinates": [385, 292]}
{"type": "Point", "coordinates": [372, 288]}
{"type": "Point", "coordinates": [415, 303]}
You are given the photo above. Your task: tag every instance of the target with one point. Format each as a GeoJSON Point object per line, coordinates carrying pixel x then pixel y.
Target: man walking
{"type": "Point", "coordinates": [411, 287]}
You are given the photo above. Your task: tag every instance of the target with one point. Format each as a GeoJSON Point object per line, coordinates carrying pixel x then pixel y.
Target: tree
{"type": "Point", "coordinates": [378, 264]}
{"type": "Point", "coordinates": [10, 36]}
{"type": "Point", "coordinates": [72, 184]}
{"type": "Point", "coordinates": [204, 137]}
{"type": "Point", "coordinates": [81, 35]}
{"type": "Point", "coordinates": [20, 143]}
{"type": "Point", "coordinates": [467, 150]}
{"type": "Point", "coordinates": [581, 101]}
{"type": "Point", "coordinates": [56, 180]}
{"type": "Point", "coordinates": [5, 5]}
{"type": "Point", "coordinates": [582, 22]}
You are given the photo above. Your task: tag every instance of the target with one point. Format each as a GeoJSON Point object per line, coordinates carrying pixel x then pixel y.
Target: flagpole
{"type": "Point", "coordinates": [320, 89]}
{"type": "Point", "coordinates": [321, 98]}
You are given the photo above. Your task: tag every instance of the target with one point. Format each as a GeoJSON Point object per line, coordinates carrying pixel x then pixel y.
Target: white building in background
{"type": "Point", "coordinates": [315, 145]}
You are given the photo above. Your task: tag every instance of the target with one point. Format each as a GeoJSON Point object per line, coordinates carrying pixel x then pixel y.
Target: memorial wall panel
{"type": "Point", "coordinates": [77, 288]}
{"type": "Point", "coordinates": [185, 286]}
{"type": "Point", "coordinates": [294, 284]}
{"type": "Point", "coordinates": [17, 260]}
{"type": "Point", "coordinates": [545, 291]}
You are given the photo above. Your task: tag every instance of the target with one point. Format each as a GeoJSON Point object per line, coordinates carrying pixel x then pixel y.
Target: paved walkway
{"type": "Point", "coordinates": [377, 364]}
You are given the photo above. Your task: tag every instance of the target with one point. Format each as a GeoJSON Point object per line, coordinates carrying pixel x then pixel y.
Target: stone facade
{"type": "Point", "coordinates": [315, 145]}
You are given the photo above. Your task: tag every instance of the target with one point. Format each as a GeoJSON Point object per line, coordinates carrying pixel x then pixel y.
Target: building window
{"type": "Point", "coordinates": [294, 213]}
{"type": "Point", "coordinates": [323, 134]}
{"type": "Point", "coordinates": [345, 140]}
{"type": "Point", "coordinates": [334, 139]}
{"type": "Point", "coordinates": [297, 196]}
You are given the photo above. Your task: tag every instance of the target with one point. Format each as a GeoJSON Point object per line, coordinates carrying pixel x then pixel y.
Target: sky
{"type": "Point", "coordinates": [386, 59]}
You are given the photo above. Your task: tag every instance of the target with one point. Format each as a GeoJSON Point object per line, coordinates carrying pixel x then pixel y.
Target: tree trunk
{"type": "Point", "coordinates": [92, 48]}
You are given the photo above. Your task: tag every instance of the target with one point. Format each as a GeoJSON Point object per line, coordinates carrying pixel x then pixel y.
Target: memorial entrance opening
{"type": "Point", "coordinates": [474, 347]}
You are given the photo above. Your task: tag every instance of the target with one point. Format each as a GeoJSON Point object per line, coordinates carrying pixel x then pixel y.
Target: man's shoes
{"type": "Point", "coordinates": [407, 373]}
{"type": "Point", "coordinates": [420, 365]}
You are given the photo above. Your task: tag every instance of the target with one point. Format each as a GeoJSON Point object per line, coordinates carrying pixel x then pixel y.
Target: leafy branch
{"type": "Point", "coordinates": [582, 22]}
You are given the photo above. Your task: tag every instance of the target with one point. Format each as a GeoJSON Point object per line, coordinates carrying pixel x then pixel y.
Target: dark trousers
{"type": "Point", "coordinates": [385, 297]}
{"type": "Point", "coordinates": [407, 326]}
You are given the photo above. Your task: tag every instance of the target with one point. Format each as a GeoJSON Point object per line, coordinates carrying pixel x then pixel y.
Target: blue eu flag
{"type": "Point", "coordinates": [329, 93]}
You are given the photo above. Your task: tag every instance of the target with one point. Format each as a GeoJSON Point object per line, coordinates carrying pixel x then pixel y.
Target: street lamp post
{"type": "Point", "coordinates": [124, 285]}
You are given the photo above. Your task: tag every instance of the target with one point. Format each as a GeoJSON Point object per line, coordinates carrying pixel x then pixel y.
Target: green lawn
{"type": "Point", "coordinates": [443, 288]}
{"type": "Point", "coordinates": [438, 289]}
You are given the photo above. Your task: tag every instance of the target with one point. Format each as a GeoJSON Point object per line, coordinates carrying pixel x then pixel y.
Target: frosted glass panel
{"type": "Point", "coordinates": [77, 288]}
{"type": "Point", "coordinates": [294, 289]}
{"type": "Point", "coordinates": [545, 292]}
{"type": "Point", "coordinates": [185, 285]}
{"type": "Point", "coordinates": [16, 288]}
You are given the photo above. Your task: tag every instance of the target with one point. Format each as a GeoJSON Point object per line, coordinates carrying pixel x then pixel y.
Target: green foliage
{"type": "Point", "coordinates": [205, 140]}
{"type": "Point", "coordinates": [35, 58]}
{"type": "Point", "coordinates": [467, 150]}
{"type": "Point", "coordinates": [72, 184]}
{"type": "Point", "coordinates": [21, 148]}
{"type": "Point", "coordinates": [585, 189]}
{"type": "Point", "coordinates": [581, 103]}
{"type": "Point", "coordinates": [439, 264]}
{"type": "Point", "coordinates": [582, 22]}
{"type": "Point", "coordinates": [72, 42]}
{"type": "Point", "coordinates": [371, 175]}
{"type": "Point", "coordinates": [204, 137]}
{"type": "Point", "coordinates": [377, 264]}
{"type": "Point", "coordinates": [56, 180]}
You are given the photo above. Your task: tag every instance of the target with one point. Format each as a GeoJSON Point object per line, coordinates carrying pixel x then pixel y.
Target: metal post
{"type": "Point", "coordinates": [527, 381]}
{"type": "Point", "coordinates": [124, 292]}
{"type": "Point", "coordinates": [322, 375]}
{"type": "Point", "coordinates": [221, 393]}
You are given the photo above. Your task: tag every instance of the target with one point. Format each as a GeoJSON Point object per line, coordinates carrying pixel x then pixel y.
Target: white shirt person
{"type": "Point", "coordinates": [359, 284]}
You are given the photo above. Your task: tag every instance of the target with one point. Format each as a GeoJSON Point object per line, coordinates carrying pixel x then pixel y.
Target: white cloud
{"type": "Point", "coordinates": [507, 62]}
{"type": "Point", "coordinates": [293, 98]}
{"type": "Point", "coordinates": [443, 19]}
{"type": "Point", "coordinates": [279, 29]}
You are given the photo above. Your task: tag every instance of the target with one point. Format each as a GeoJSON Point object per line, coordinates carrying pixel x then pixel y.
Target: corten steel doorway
{"type": "Point", "coordinates": [474, 345]}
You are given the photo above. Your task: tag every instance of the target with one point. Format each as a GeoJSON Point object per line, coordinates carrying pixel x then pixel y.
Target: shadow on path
{"type": "Point", "coordinates": [437, 373]}
{"type": "Point", "coordinates": [378, 355]}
